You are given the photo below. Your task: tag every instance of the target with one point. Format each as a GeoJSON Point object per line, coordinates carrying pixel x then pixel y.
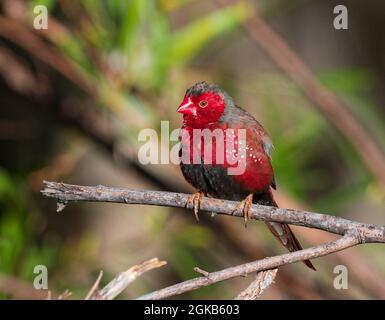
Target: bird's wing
{"type": "Point", "coordinates": [269, 147]}
{"type": "Point", "coordinates": [239, 118]}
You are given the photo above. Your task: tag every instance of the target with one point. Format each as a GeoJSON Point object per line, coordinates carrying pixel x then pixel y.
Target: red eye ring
{"type": "Point", "coordinates": [203, 103]}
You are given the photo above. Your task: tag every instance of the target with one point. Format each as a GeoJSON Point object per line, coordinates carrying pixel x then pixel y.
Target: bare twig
{"type": "Point", "coordinates": [364, 272]}
{"type": "Point", "coordinates": [263, 280]}
{"type": "Point", "coordinates": [201, 271]}
{"type": "Point", "coordinates": [65, 193]}
{"type": "Point", "coordinates": [291, 282]}
{"type": "Point", "coordinates": [95, 286]}
{"type": "Point", "coordinates": [118, 284]}
{"type": "Point", "coordinates": [345, 242]}
{"type": "Point", "coordinates": [49, 295]}
{"type": "Point", "coordinates": [65, 295]}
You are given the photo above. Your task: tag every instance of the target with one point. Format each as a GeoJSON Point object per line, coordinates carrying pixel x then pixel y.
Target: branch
{"type": "Point", "coordinates": [118, 284]}
{"type": "Point", "coordinates": [262, 281]}
{"type": "Point", "coordinates": [65, 193]}
{"type": "Point", "coordinates": [345, 242]}
{"type": "Point", "coordinates": [95, 287]}
{"type": "Point", "coordinates": [353, 232]}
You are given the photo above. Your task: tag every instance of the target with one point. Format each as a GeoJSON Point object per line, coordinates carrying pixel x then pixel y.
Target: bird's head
{"type": "Point", "coordinates": [204, 103]}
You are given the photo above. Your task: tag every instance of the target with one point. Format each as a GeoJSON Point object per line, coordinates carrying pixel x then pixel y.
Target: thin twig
{"type": "Point", "coordinates": [345, 242]}
{"type": "Point", "coordinates": [293, 282]}
{"type": "Point", "coordinates": [65, 193]}
{"type": "Point", "coordinates": [364, 272]}
{"type": "Point", "coordinates": [118, 284]}
{"type": "Point", "coordinates": [201, 271]}
{"type": "Point", "coordinates": [65, 295]}
{"type": "Point", "coordinates": [262, 281]}
{"type": "Point", "coordinates": [49, 295]}
{"type": "Point", "coordinates": [95, 286]}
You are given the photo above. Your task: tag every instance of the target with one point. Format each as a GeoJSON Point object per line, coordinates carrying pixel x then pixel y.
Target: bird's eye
{"type": "Point", "coordinates": [203, 103]}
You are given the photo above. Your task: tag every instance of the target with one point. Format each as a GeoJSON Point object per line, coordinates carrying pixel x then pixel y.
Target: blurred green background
{"type": "Point", "coordinates": [74, 97]}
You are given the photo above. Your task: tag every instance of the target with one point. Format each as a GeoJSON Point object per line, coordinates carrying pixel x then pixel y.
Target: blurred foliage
{"type": "Point", "coordinates": [300, 148]}
{"type": "Point", "coordinates": [18, 254]}
{"type": "Point", "coordinates": [135, 47]}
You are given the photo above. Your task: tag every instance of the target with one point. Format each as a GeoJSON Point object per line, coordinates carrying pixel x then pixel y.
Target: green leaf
{"type": "Point", "coordinates": [12, 242]}
{"type": "Point", "coordinates": [6, 185]}
{"type": "Point", "coordinates": [352, 85]}
{"type": "Point", "coordinates": [187, 42]}
{"type": "Point", "coordinates": [346, 80]}
{"type": "Point", "coordinates": [47, 3]}
{"type": "Point", "coordinates": [131, 22]}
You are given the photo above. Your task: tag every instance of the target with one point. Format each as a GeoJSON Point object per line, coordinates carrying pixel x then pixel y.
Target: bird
{"type": "Point", "coordinates": [208, 108]}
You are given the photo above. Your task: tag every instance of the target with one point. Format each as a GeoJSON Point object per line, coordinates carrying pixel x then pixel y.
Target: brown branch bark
{"type": "Point", "coordinates": [65, 193]}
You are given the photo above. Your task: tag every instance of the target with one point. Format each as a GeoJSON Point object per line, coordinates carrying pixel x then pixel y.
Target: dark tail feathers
{"type": "Point", "coordinates": [281, 231]}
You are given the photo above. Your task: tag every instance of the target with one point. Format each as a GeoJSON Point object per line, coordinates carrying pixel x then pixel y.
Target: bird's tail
{"type": "Point", "coordinates": [282, 231]}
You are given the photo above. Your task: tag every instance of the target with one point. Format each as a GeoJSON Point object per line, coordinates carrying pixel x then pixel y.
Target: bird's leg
{"type": "Point", "coordinates": [245, 206]}
{"type": "Point", "coordinates": [195, 201]}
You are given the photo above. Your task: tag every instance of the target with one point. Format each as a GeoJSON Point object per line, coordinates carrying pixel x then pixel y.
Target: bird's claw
{"type": "Point", "coordinates": [245, 206]}
{"type": "Point", "coordinates": [195, 201]}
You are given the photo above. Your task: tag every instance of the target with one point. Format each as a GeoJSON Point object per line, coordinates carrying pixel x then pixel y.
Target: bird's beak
{"type": "Point", "coordinates": [187, 107]}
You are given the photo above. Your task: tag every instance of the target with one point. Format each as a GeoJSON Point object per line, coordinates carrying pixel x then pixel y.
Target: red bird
{"type": "Point", "coordinates": [206, 106]}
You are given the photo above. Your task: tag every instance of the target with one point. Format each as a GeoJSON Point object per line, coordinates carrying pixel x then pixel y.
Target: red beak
{"type": "Point", "coordinates": [187, 107]}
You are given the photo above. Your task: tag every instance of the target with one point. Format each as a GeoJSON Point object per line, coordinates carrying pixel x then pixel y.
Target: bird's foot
{"type": "Point", "coordinates": [245, 206]}
{"type": "Point", "coordinates": [195, 201]}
